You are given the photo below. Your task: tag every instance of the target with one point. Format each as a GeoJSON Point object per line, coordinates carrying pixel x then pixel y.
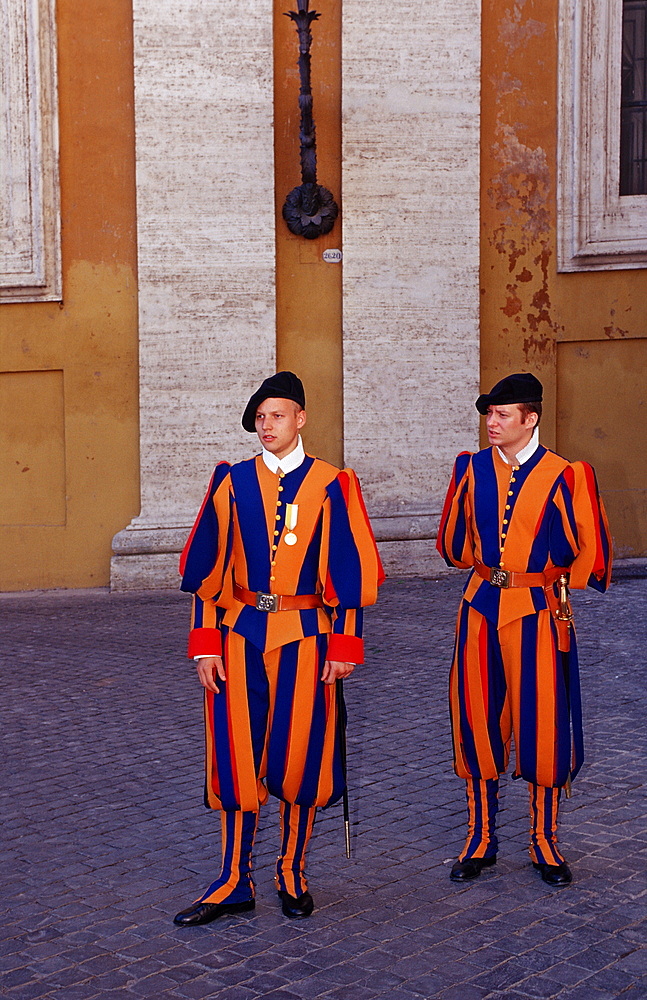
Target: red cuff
{"type": "Point", "coordinates": [345, 648]}
{"type": "Point", "coordinates": [204, 642]}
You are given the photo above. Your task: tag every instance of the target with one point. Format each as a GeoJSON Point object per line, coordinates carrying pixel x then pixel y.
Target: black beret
{"type": "Point", "coordinates": [283, 385]}
{"type": "Point", "coordinates": [520, 388]}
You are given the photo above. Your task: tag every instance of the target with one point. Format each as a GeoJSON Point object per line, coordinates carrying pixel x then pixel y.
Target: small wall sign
{"type": "Point", "coordinates": [333, 256]}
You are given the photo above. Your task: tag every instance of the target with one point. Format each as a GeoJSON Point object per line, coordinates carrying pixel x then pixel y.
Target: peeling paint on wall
{"type": "Point", "coordinates": [515, 31]}
{"type": "Point", "coordinates": [520, 192]}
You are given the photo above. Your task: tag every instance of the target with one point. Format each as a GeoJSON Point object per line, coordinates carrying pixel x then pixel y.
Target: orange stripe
{"type": "Point", "coordinates": [224, 890]}
{"type": "Point", "coordinates": [240, 739]}
{"type": "Point", "coordinates": [212, 785]}
{"type": "Point", "coordinates": [301, 717]}
{"type": "Point", "coordinates": [546, 701]}
{"type": "Point", "coordinates": [510, 644]}
{"type": "Point", "coordinates": [325, 786]}
{"type": "Point", "coordinates": [477, 708]}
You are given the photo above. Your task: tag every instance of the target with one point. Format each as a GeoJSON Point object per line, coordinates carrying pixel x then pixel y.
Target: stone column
{"type": "Point", "coordinates": [410, 125]}
{"type": "Point", "coordinates": [203, 88]}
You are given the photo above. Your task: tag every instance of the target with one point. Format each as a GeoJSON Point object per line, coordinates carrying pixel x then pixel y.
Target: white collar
{"type": "Point", "coordinates": [526, 452]}
{"type": "Point", "coordinates": [286, 464]}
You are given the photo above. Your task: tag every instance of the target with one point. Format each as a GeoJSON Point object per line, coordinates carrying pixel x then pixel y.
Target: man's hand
{"type": "Point", "coordinates": [335, 670]}
{"type": "Point", "coordinates": [209, 668]}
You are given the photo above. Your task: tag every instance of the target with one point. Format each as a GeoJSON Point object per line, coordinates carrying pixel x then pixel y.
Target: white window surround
{"type": "Point", "coordinates": [597, 229]}
{"type": "Point", "coordinates": [30, 254]}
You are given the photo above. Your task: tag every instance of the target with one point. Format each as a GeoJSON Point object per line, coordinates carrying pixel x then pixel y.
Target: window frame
{"type": "Point", "coordinates": [598, 229]}
{"type": "Point", "coordinates": [30, 264]}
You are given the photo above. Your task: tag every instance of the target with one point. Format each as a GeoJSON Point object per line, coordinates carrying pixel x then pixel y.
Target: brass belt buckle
{"type": "Point", "coordinates": [500, 578]}
{"type": "Point", "coordinates": [266, 602]}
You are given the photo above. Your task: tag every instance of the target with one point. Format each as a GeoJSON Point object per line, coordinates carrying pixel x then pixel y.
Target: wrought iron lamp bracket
{"type": "Point", "coordinates": [310, 210]}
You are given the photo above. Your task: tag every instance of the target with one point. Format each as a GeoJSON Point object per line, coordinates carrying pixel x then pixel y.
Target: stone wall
{"type": "Point", "coordinates": [203, 93]}
{"type": "Point", "coordinates": [410, 172]}
{"type": "Point", "coordinates": [411, 252]}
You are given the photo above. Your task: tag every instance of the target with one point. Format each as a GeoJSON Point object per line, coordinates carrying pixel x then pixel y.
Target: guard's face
{"type": "Point", "coordinates": [278, 422]}
{"type": "Point", "coordinates": [507, 429]}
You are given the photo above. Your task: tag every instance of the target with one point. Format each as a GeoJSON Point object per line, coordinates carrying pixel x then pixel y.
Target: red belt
{"type": "Point", "coordinates": [505, 578]}
{"type": "Point", "coordinates": [277, 602]}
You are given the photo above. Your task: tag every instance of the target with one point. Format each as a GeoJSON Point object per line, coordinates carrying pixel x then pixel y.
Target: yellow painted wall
{"type": "Point", "coordinates": [569, 329]}
{"type": "Point", "coordinates": [308, 289]}
{"type": "Point", "coordinates": [69, 437]}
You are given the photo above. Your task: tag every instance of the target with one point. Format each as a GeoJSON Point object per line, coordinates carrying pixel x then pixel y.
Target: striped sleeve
{"type": "Point", "coordinates": [455, 542]}
{"type": "Point", "coordinates": [202, 565]}
{"type": "Point", "coordinates": [353, 569]}
{"type": "Point", "coordinates": [592, 564]}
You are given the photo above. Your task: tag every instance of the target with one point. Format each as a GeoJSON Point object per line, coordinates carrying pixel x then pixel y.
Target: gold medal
{"type": "Point", "coordinates": [291, 517]}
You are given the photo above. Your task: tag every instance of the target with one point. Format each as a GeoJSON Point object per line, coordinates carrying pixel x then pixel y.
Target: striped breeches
{"type": "Point", "coordinates": [234, 883]}
{"type": "Point", "coordinates": [482, 807]}
{"type": "Point", "coordinates": [514, 682]}
{"type": "Point", "coordinates": [272, 728]}
{"type": "Point", "coordinates": [296, 829]}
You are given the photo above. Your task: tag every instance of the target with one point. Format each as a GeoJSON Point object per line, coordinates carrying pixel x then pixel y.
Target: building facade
{"type": "Point", "coordinates": [480, 230]}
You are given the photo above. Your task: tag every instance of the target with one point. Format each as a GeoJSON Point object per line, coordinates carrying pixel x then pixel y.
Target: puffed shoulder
{"type": "Point", "coordinates": [345, 484]}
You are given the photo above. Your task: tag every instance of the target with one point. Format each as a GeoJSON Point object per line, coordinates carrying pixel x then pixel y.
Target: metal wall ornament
{"type": "Point", "coordinates": [310, 210]}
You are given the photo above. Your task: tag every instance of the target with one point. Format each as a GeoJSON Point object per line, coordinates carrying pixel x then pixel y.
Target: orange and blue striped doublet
{"type": "Point", "coordinates": [273, 726]}
{"type": "Point", "coordinates": [515, 671]}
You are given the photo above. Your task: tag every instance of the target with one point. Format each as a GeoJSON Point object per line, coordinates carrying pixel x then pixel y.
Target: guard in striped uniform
{"type": "Point", "coordinates": [281, 561]}
{"type": "Point", "coordinates": [528, 524]}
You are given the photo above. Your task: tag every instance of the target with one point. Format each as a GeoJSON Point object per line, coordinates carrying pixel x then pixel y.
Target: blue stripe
{"type": "Point", "coordinates": [279, 736]}
{"type": "Point", "coordinates": [486, 505]}
{"type": "Point", "coordinates": [292, 481]}
{"type": "Point", "coordinates": [309, 573]}
{"type": "Point", "coordinates": [203, 552]}
{"type": "Point", "coordinates": [460, 528]}
{"type": "Point", "coordinates": [252, 624]}
{"type": "Point", "coordinates": [570, 666]}
{"type": "Point", "coordinates": [312, 767]}
{"type": "Point", "coordinates": [468, 745]}
{"type": "Point", "coordinates": [198, 612]}
{"type": "Point", "coordinates": [527, 749]}
{"type": "Point", "coordinates": [216, 705]}
{"type": "Point", "coordinates": [258, 700]}
{"type": "Point", "coordinates": [251, 518]}
{"type": "Point", "coordinates": [309, 622]}
{"type": "Point", "coordinates": [344, 563]}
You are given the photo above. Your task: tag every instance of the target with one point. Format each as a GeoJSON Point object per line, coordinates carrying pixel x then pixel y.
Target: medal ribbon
{"type": "Point", "coordinates": [291, 515]}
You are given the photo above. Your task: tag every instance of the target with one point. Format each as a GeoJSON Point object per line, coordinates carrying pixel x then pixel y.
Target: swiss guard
{"type": "Point", "coordinates": [529, 525]}
{"type": "Point", "coordinates": [281, 561]}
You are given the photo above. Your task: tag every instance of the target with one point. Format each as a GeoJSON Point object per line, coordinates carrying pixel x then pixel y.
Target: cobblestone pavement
{"type": "Point", "coordinates": [104, 836]}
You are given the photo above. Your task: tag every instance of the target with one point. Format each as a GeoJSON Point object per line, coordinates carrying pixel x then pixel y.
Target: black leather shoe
{"type": "Point", "coordinates": [463, 871]}
{"type": "Point", "coordinates": [554, 874]}
{"type": "Point", "coordinates": [299, 906]}
{"type": "Point", "coordinates": [204, 913]}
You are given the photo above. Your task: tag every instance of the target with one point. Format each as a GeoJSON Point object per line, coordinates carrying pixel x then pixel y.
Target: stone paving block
{"type": "Point", "coordinates": [117, 865]}
{"type": "Point", "coordinates": [463, 992]}
{"type": "Point", "coordinates": [635, 962]}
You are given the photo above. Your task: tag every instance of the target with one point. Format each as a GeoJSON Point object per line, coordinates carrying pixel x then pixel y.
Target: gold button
{"type": "Point", "coordinates": [515, 468]}
{"type": "Point", "coordinates": [510, 493]}
{"type": "Point", "coordinates": [278, 503]}
{"type": "Point", "coordinates": [273, 563]}
{"type": "Point", "coordinates": [501, 563]}
{"type": "Point", "coordinates": [503, 534]}
{"type": "Point", "coordinates": [505, 520]}
{"type": "Point", "coordinates": [512, 479]}
{"type": "Point", "coordinates": [507, 506]}
{"type": "Point", "coordinates": [281, 488]}
{"type": "Point", "coordinates": [276, 533]}
{"type": "Point", "coordinates": [274, 547]}
{"type": "Point", "coordinates": [272, 578]}
{"type": "Point", "coordinates": [278, 517]}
